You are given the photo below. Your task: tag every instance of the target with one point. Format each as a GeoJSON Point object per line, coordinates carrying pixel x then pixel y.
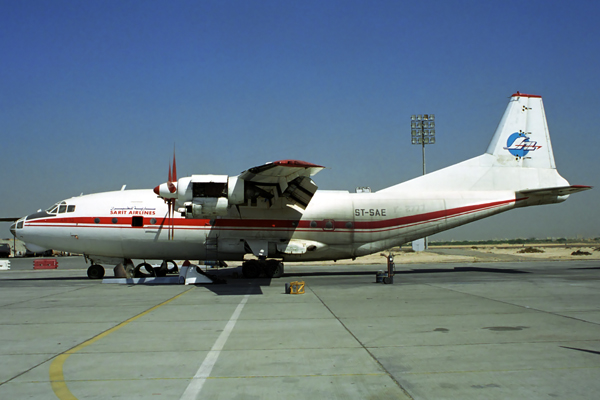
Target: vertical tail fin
{"type": "Point", "coordinates": [519, 156]}
{"type": "Point", "coordinates": [522, 137]}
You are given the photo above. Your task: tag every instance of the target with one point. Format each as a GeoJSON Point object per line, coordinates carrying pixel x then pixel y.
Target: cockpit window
{"type": "Point", "coordinates": [71, 208]}
{"type": "Point", "coordinates": [58, 208]}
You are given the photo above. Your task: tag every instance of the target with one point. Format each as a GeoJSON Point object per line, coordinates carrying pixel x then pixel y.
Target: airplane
{"type": "Point", "coordinates": [275, 212]}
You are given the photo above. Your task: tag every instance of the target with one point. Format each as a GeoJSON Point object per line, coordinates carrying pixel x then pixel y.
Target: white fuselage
{"type": "Point", "coordinates": [337, 224]}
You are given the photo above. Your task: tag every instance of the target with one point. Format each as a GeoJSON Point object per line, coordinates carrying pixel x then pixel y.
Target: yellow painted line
{"type": "Point", "coordinates": [57, 378]}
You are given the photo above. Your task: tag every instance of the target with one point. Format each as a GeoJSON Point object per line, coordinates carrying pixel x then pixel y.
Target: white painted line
{"type": "Point", "coordinates": [195, 386]}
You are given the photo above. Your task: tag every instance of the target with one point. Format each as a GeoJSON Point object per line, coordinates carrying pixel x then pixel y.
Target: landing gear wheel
{"type": "Point", "coordinates": [95, 271]}
{"type": "Point", "coordinates": [274, 269]}
{"type": "Point", "coordinates": [174, 269]}
{"type": "Point", "coordinates": [139, 274]}
{"type": "Point", "coordinates": [161, 271]}
{"type": "Point", "coordinates": [251, 269]}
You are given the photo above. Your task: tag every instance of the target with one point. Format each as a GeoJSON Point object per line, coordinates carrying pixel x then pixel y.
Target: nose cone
{"type": "Point", "coordinates": [157, 190]}
{"type": "Point", "coordinates": [13, 229]}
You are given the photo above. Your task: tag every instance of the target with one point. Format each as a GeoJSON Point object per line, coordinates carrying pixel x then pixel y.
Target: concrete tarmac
{"type": "Point", "coordinates": [527, 330]}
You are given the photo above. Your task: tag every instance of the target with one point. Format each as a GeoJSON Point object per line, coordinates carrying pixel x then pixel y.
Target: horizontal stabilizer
{"type": "Point", "coordinates": [555, 191]}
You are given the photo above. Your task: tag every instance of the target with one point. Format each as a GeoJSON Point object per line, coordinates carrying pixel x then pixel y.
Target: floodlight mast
{"type": "Point", "coordinates": [422, 132]}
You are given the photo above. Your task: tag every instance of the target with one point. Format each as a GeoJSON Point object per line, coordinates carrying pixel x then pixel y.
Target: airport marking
{"type": "Point", "coordinates": [195, 386]}
{"type": "Point", "coordinates": [57, 378]}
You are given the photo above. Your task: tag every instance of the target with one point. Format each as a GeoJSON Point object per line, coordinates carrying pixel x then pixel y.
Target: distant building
{"type": "Point", "coordinates": [419, 244]}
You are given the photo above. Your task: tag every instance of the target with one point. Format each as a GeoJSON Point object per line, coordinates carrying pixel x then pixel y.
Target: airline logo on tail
{"type": "Point", "coordinates": [518, 144]}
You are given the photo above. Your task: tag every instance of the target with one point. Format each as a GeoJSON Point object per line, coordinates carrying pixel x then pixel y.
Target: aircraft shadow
{"type": "Point", "coordinates": [410, 272]}
{"type": "Point", "coordinates": [236, 286]}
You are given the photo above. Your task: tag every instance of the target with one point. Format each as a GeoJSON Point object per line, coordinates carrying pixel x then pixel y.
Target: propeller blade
{"type": "Point", "coordinates": [168, 193]}
{"type": "Point", "coordinates": [174, 167]}
{"type": "Point", "coordinates": [172, 217]}
{"type": "Point", "coordinates": [171, 183]}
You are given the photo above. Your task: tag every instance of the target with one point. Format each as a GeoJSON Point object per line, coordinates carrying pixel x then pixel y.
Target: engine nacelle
{"type": "Point", "coordinates": [209, 196]}
{"type": "Point", "coordinates": [206, 207]}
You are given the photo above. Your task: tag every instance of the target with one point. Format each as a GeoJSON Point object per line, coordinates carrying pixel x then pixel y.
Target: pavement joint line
{"type": "Point", "coordinates": [48, 295]}
{"type": "Point", "coordinates": [497, 370]}
{"type": "Point", "coordinates": [487, 343]}
{"type": "Point", "coordinates": [45, 361]}
{"type": "Point", "coordinates": [57, 379]}
{"type": "Point", "coordinates": [515, 305]}
{"type": "Point", "coordinates": [362, 345]}
{"type": "Point", "coordinates": [218, 377]}
{"type": "Point", "coordinates": [195, 386]}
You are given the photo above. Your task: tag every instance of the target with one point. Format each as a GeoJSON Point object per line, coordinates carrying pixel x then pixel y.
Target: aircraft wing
{"type": "Point", "coordinates": [555, 191]}
{"type": "Point", "coordinates": [290, 179]}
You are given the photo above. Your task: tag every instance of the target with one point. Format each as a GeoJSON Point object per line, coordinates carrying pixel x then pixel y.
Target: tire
{"type": "Point", "coordinates": [95, 271]}
{"type": "Point", "coordinates": [174, 270]}
{"type": "Point", "coordinates": [251, 269]}
{"type": "Point", "coordinates": [274, 269]}
{"type": "Point", "coordinates": [138, 270]}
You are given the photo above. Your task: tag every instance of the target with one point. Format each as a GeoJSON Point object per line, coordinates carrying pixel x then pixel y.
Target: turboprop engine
{"type": "Point", "coordinates": [207, 196]}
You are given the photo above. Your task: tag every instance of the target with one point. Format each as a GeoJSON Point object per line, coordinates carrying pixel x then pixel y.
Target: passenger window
{"type": "Point", "coordinates": [62, 209]}
{"type": "Point", "coordinates": [70, 208]}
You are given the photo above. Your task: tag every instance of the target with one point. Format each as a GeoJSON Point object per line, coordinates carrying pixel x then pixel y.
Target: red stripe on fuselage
{"type": "Point", "coordinates": [266, 224]}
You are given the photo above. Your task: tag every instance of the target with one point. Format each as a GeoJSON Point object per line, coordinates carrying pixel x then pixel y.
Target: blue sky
{"type": "Point", "coordinates": [95, 94]}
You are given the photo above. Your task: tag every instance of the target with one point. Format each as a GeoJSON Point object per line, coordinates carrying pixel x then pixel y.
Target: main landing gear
{"type": "Point", "coordinates": [252, 269]}
{"type": "Point", "coordinates": [96, 271]}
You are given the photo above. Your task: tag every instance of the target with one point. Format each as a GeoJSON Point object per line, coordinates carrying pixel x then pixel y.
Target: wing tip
{"type": "Point", "coordinates": [582, 187]}
{"type": "Point", "coordinates": [297, 164]}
